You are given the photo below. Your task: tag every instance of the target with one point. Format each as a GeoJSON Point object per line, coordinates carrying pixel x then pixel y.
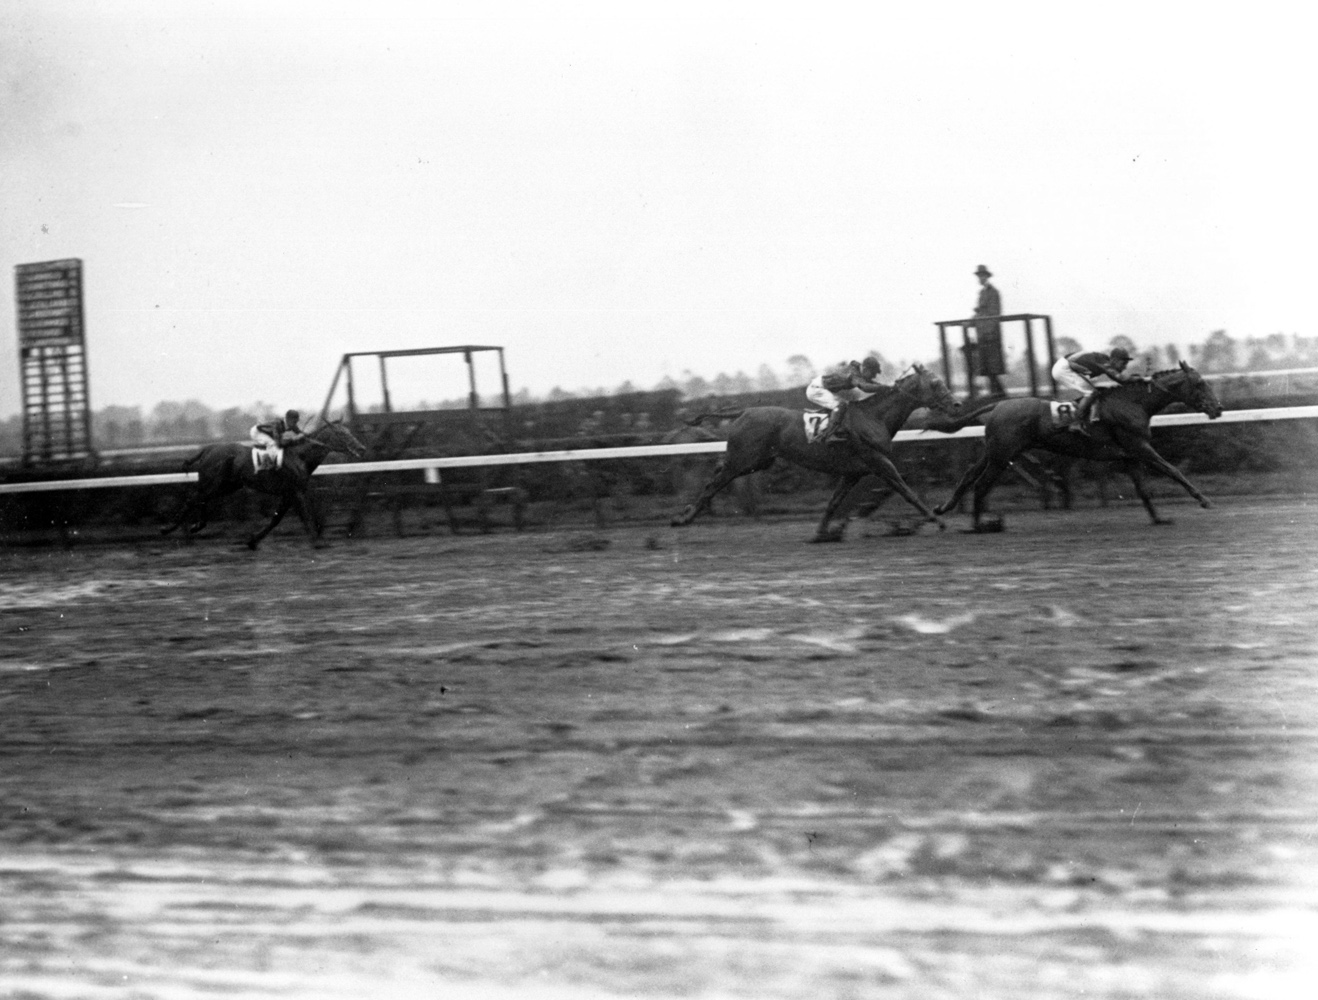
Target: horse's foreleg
{"type": "Point", "coordinates": [1136, 473]}
{"type": "Point", "coordinates": [1144, 450]}
{"type": "Point", "coordinates": [885, 470]}
{"type": "Point", "coordinates": [844, 488]}
{"type": "Point", "coordinates": [284, 503]}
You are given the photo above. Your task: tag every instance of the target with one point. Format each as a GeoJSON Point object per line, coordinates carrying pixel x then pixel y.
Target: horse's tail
{"type": "Point", "coordinates": [715, 415]}
{"type": "Point", "coordinates": [964, 420]}
{"type": "Point", "coordinates": [188, 463]}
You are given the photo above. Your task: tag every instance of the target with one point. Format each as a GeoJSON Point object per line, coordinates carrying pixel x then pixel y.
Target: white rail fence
{"type": "Point", "coordinates": [602, 454]}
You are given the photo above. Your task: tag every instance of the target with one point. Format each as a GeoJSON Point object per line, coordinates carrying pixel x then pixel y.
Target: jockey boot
{"type": "Point", "coordinates": [833, 430]}
{"type": "Point", "coordinates": [1082, 411]}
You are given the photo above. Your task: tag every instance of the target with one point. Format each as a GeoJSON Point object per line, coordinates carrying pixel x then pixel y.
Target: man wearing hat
{"type": "Point", "coordinates": [1089, 371]}
{"type": "Point", "coordinates": [990, 362]}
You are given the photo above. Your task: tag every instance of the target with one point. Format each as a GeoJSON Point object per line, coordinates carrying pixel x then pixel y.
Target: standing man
{"type": "Point", "coordinates": [988, 354]}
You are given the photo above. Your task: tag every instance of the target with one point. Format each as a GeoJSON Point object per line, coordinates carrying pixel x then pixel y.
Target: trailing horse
{"type": "Point", "coordinates": [1121, 434]}
{"type": "Point", "coordinates": [228, 467]}
{"type": "Point", "coordinates": [762, 433]}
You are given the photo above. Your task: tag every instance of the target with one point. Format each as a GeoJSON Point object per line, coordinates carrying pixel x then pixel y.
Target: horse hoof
{"type": "Point", "coordinates": [941, 509]}
{"type": "Point", "coordinates": [1206, 504]}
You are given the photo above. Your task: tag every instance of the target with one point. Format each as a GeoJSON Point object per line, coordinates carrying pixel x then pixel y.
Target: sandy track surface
{"type": "Point", "coordinates": [716, 762]}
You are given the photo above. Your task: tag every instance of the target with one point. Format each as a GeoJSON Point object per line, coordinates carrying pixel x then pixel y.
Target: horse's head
{"type": "Point", "coordinates": [927, 389]}
{"type": "Point", "coordinates": [1190, 388]}
{"type": "Point", "coordinates": [336, 436]}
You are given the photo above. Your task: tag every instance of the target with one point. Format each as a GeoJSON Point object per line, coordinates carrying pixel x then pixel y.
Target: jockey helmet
{"type": "Point", "coordinates": [870, 366]}
{"type": "Point", "coordinates": [1119, 354]}
{"type": "Point", "coordinates": [292, 417]}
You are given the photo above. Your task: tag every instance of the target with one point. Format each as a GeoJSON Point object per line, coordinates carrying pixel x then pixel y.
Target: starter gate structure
{"type": "Point", "coordinates": [969, 349]}
{"type": "Point", "coordinates": [482, 424]}
{"type": "Point", "coordinates": [53, 363]}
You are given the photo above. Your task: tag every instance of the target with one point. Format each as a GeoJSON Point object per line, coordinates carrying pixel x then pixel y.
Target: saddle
{"type": "Point", "coordinates": [263, 459]}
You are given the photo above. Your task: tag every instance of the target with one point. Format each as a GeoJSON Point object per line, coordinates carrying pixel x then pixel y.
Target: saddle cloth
{"type": "Point", "coordinates": [262, 459]}
{"type": "Point", "coordinates": [1063, 414]}
{"type": "Point", "coordinates": [814, 421]}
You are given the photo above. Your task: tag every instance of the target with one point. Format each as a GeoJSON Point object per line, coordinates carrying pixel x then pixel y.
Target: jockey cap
{"type": "Point", "coordinates": [871, 366]}
{"type": "Point", "coordinates": [1119, 354]}
{"type": "Point", "coordinates": [292, 417]}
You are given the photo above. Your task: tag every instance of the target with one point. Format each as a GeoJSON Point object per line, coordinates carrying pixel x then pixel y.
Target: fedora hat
{"type": "Point", "coordinates": [984, 271]}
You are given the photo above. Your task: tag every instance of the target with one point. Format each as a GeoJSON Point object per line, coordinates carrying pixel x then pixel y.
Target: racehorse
{"type": "Point", "coordinates": [1121, 434]}
{"type": "Point", "coordinates": [762, 433]}
{"type": "Point", "coordinates": [227, 467]}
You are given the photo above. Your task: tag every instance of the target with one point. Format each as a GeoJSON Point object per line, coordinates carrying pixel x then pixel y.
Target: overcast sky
{"type": "Point", "coordinates": [256, 188]}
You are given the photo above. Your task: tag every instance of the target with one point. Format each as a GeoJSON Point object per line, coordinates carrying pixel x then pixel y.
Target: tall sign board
{"type": "Point", "coordinates": [53, 362]}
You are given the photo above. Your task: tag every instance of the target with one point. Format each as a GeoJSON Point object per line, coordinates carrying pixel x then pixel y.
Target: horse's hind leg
{"type": "Point", "coordinates": [722, 477]}
{"type": "Point", "coordinates": [307, 514]}
{"type": "Point", "coordinates": [963, 484]}
{"type": "Point", "coordinates": [284, 503]}
{"type": "Point", "coordinates": [994, 466]}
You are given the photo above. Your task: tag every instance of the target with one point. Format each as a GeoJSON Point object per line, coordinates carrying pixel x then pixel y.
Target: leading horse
{"type": "Point", "coordinates": [228, 467]}
{"type": "Point", "coordinates": [762, 433]}
{"type": "Point", "coordinates": [1121, 434]}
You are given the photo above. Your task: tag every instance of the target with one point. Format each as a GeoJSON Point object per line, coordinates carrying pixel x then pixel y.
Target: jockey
{"type": "Point", "coordinates": [1088, 372]}
{"type": "Point", "coordinates": [848, 382]}
{"type": "Point", "coordinates": [276, 434]}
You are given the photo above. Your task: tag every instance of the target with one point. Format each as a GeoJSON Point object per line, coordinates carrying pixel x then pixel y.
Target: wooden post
{"type": "Point", "coordinates": [1029, 353]}
{"type": "Point", "coordinates": [1052, 351]}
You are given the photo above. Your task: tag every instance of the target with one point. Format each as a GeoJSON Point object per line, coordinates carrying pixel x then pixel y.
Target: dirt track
{"type": "Point", "coordinates": [715, 762]}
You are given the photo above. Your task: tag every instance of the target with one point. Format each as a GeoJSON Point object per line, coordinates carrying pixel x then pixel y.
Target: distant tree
{"type": "Point", "coordinates": [1173, 355]}
{"type": "Point", "coordinates": [182, 422]}
{"type": "Point", "coordinates": [1149, 359]}
{"type": "Point", "coordinates": [625, 389]}
{"type": "Point", "coordinates": [118, 427]}
{"type": "Point", "coordinates": [1121, 340]}
{"type": "Point", "coordinates": [723, 385]}
{"type": "Point", "coordinates": [799, 369]}
{"type": "Point", "coordinates": [1066, 345]}
{"type": "Point", "coordinates": [667, 384]}
{"type": "Point", "coordinates": [236, 423]}
{"type": "Point", "coordinates": [766, 380]}
{"type": "Point", "coordinates": [693, 386]}
{"type": "Point", "coordinates": [1216, 354]}
{"type": "Point", "coordinates": [557, 395]}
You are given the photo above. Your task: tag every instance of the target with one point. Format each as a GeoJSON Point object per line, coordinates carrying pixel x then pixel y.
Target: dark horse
{"type": "Point", "coordinates": [1121, 435]}
{"type": "Point", "coordinates": [227, 467]}
{"type": "Point", "coordinates": [762, 433]}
